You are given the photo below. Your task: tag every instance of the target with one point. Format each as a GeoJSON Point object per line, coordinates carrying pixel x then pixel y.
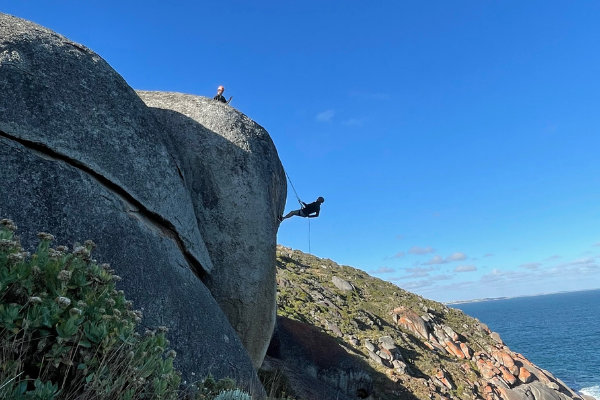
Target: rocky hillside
{"type": "Point", "coordinates": [399, 345]}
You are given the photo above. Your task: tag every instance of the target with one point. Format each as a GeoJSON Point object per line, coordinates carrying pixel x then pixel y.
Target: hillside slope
{"type": "Point", "coordinates": [410, 347]}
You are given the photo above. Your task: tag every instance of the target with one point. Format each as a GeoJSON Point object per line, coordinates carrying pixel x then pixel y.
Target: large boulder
{"type": "Point", "coordinates": [412, 322]}
{"type": "Point", "coordinates": [84, 158]}
{"type": "Point", "coordinates": [231, 167]}
{"type": "Point", "coordinates": [44, 194]}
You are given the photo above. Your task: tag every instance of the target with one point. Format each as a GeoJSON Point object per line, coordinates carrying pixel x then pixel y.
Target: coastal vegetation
{"type": "Point", "coordinates": [66, 332]}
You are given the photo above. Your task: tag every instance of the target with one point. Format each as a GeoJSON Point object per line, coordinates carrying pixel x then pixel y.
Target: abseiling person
{"type": "Point", "coordinates": [311, 210]}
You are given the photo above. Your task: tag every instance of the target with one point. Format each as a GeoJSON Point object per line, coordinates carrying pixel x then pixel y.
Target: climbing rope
{"type": "Point", "coordinates": [308, 235]}
{"type": "Point", "coordinates": [301, 205]}
{"type": "Point", "coordinates": [296, 193]}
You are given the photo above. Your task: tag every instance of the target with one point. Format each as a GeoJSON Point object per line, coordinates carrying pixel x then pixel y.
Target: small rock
{"type": "Point", "coordinates": [466, 350]}
{"type": "Point", "coordinates": [387, 342]}
{"type": "Point", "coordinates": [335, 329]}
{"type": "Point", "coordinates": [507, 376]}
{"type": "Point", "coordinates": [375, 357]}
{"type": "Point", "coordinates": [450, 332]}
{"type": "Point", "coordinates": [353, 340]}
{"type": "Point", "coordinates": [342, 284]}
{"type": "Point", "coordinates": [553, 385]}
{"type": "Point", "coordinates": [369, 346]}
{"type": "Point", "coordinates": [496, 337]}
{"type": "Point", "coordinates": [454, 349]}
{"type": "Point", "coordinates": [399, 366]}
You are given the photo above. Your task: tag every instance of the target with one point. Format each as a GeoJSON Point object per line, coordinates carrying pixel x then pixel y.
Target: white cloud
{"type": "Point", "coordinates": [488, 255]}
{"type": "Point", "coordinates": [581, 261]}
{"type": "Point", "coordinates": [465, 268]}
{"type": "Point", "coordinates": [417, 272]}
{"type": "Point", "coordinates": [435, 260]}
{"type": "Point", "coordinates": [420, 250]}
{"type": "Point", "coordinates": [554, 257]}
{"type": "Point", "coordinates": [325, 116]}
{"type": "Point", "coordinates": [533, 265]}
{"type": "Point", "coordinates": [501, 282]}
{"type": "Point", "coordinates": [399, 237]}
{"type": "Point", "coordinates": [400, 254]}
{"type": "Point", "coordinates": [354, 122]}
{"type": "Point", "coordinates": [425, 282]}
{"type": "Point", "coordinates": [597, 244]}
{"type": "Point", "coordinates": [382, 270]}
{"type": "Point", "coordinates": [456, 257]}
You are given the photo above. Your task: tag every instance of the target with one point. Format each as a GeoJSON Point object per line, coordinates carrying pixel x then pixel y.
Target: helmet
{"type": "Point", "coordinates": [221, 88]}
{"type": "Point", "coordinates": [321, 200]}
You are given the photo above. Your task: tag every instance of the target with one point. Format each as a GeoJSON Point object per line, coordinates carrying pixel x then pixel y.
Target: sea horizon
{"type": "Point", "coordinates": [484, 299]}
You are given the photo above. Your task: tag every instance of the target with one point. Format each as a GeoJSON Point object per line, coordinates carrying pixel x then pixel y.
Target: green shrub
{"type": "Point", "coordinates": [66, 332]}
{"type": "Point", "coordinates": [233, 395]}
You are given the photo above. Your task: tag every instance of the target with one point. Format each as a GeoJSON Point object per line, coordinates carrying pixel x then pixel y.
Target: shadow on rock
{"type": "Point", "coordinates": [317, 367]}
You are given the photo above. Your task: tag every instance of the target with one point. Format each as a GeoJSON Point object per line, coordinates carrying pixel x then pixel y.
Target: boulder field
{"type": "Point", "coordinates": [181, 198]}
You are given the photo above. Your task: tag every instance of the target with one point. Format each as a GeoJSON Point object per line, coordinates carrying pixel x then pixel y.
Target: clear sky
{"type": "Point", "coordinates": [455, 142]}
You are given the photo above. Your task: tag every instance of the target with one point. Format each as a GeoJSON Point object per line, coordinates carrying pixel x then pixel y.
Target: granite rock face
{"type": "Point", "coordinates": [59, 95]}
{"type": "Point", "coordinates": [44, 194]}
{"type": "Point", "coordinates": [85, 158]}
{"type": "Point", "coordinates": [238, 188]}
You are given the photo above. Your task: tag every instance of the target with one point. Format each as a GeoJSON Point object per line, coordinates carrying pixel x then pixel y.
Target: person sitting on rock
{"type": "Point", "coordinates": [311, 210]}
{"type": "Point", "coordinates": [220, 97]}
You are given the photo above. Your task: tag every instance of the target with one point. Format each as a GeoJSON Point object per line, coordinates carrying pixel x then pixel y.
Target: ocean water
{"type": "Point", "coordinates": [557, 332]}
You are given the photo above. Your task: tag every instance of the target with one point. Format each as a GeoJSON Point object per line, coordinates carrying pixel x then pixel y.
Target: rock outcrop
{"type": "Point", "coordinates": [416, 348]}
{"type": "Point", "coordinates": [237, 183]}
{"type": "Point", "coordinates": [83, 157]}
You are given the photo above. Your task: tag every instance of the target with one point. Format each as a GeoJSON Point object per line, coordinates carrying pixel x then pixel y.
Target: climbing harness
{"type": "Point", "coordinates": [301, 205]}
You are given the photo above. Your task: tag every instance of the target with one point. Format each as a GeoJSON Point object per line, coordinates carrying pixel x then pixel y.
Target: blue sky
{"type": "Point", "coordinates": [455, 142]}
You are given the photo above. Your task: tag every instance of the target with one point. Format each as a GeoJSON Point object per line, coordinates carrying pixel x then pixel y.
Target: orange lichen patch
{"type": "Point", "coordinates": [525, 361]}
{"type": "Point", "coordinates": [524, 375]}
{"type": "Point", "coordinates": [388, 353]}
{"type": "Point", "coordinates": [504, 358]}
{"type": "Point", "coordinates": [507, 376]}
{"type": "Point", "coordinates": [441, 375]}
{"type": "Point", "coordinates": [429, 345]}
{"type": "Point", "coordinates": [454, 349]}
{"type": "Point", "coordinates": [488, 392]}
{"type": "Point", "coordinates": [487, 369]}
{"type": "Point", "coordinates": [466, 350]}
{"type": "Point", "coordinates": [411, 321]}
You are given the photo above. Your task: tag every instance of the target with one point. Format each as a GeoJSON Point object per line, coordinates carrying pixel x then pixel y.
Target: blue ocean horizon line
{"type": "Point", "coordinates": [449, 303]}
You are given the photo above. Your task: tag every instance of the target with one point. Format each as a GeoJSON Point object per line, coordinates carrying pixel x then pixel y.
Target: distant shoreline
{"type": "Point", "coordinates": [515, 297]}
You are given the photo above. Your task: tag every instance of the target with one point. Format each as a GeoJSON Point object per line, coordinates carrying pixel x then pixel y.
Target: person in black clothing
{"type": "Point", "coordinates": [311, 210]}
{"type": "Point", "coordinates": [220, 97]}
